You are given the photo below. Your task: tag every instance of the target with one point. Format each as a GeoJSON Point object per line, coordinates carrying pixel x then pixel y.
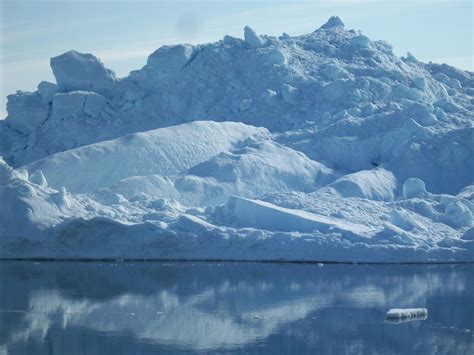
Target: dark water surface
{"type": "Point", "coordinates": [153, 307]}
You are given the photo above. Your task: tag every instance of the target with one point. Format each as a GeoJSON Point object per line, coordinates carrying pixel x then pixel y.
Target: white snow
{"type": "Point", "coordinates": [321, 147]}
{"type": "Point", "coordinates": [164, 151]}
{"type": "Point", "coordinates": [375, 184]}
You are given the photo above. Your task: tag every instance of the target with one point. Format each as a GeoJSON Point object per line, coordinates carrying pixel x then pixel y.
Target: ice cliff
{"type": "Point", "coordinates": [324, 146]}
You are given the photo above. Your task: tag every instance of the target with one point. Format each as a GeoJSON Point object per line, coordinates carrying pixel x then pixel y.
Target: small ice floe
{"type": "Point", "coordinates": [399, 315]}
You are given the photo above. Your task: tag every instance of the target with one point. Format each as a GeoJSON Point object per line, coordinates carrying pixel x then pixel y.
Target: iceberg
{"type": "Point", "coordinates": [324, 147]}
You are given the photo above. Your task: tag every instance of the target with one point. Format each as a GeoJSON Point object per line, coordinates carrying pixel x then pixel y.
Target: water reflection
{"type": "Point", "coordinates": [103, 308]}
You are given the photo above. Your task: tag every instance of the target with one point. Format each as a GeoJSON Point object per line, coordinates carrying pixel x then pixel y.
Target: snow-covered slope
{"type": "Point", "coordinates": [164, 151]}
{"type": "Point", "coordinates": [324, 146]}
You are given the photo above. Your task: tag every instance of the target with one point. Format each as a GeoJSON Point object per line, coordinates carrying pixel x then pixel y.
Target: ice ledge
{"type": "Point", "coordinates": [264, 215]}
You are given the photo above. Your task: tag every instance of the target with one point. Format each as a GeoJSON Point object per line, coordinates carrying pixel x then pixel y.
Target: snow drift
{"type": "Point", "coordinates": [322, 147]}
{"type": "Point", "coordinates": [164, 151]}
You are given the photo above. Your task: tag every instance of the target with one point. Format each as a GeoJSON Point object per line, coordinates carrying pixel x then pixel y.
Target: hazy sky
{"type": "Point", "coordinates": [123, 33]}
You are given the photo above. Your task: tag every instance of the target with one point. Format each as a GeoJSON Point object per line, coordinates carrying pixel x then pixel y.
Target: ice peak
{"type": "Point", "coordinates": [251, 38]}
{"type": "Point", "coordinates": [333, 22]}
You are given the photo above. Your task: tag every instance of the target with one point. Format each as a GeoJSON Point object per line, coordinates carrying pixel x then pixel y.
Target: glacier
{"type": "Point", "coordinates": [322, 147]}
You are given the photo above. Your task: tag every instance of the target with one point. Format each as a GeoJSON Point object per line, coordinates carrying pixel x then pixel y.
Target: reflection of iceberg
{"type": "Point", "coordinates": [164, 318]}
{"type": "Point", "coordinates": [206, 307]}
{"type": "Point", "coordinates": [401, 315]}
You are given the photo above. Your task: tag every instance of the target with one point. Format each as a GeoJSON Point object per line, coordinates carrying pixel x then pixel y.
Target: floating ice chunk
{"type": "Point", "coordinates": [81, 71]}
{"type": "Point", "coordinates": [290, 94]}
{"type": "Point", "coordinates": [333, 22]}
{"type": "Point", "coordinates": [251, 38]}
{"type": "Point", "coordinates": [397, 314]}
{"type": "Point", "coordinates": [414, 187]}
{"type": "Point", "coordinates": [47, 90]}
{"type": "Point", "coordinates": [169, 60]}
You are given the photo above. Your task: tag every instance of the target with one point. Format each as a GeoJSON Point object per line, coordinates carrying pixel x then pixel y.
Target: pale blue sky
{"type": "Point", "coordinates": [123, 33]}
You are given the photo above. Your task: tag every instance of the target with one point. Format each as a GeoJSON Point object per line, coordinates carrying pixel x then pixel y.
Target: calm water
{"type": "Point", "coordinates": [148, 308]}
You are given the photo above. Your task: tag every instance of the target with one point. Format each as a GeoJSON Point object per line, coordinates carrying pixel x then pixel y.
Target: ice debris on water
{"type": "Point", "coordinates": [397, 315]}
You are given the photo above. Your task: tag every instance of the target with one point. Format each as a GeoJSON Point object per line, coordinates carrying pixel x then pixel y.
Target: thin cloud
{"type": "Point", "coordinates": [9, 34]}
{"type": "Point", "coordinates": [24, 66]}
